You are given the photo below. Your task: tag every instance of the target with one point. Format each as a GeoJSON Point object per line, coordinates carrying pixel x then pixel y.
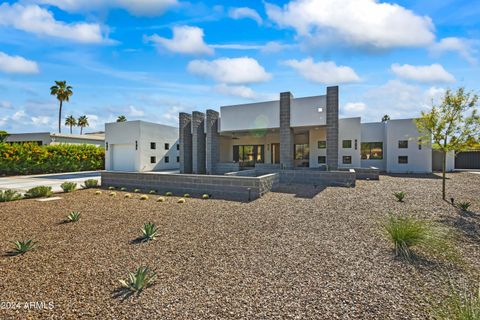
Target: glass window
{"type": "Point", "coordinates": [178, 159]}
{"type": "Point", "coordinates": [167, 146]}
{"type": "Point", "coordinates": [248, 155]}
{"type": "Point", "coordinates": [402, 159]}
{"type": "Point", "coordinates": [372, 150]}
{"type": "Point", "coordinates": [347, 144]}
{"type": "Point", "coordinates": [302, 151]}
{"type": "Point", "coordinates": [167, 159]}
{"type": "Point", "coordinates": [153, 159]}
{"type": "Point", "coordinates": [178, 146]}
{"type": "Point", "coordinates": [403, 144]}
{"type": "Point", "coordinates": [322, 159]}
{"type": "Point", "coordinates": [153, 145]}
{"type": "Point", "coordinates": [322, 144]}
{"type": "Point", "coordinates": [347, 160]}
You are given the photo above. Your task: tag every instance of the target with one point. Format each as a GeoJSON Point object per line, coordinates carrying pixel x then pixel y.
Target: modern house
{"type": "Point", "coordinates": [139, 146]}
{"type": "Point", "coordinates": [297, 133]}
{"type": "Point", "coordinates": [47, 138]}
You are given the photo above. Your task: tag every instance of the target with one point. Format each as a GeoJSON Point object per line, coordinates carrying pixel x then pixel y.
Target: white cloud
{"type": "Point", "coordinates": [136, 7]}
{"type": "Point", "coordinates": [325, 72]}
{"type": "Point", "coordinates": [17, 64]}
{"type": "Point", "coordinates": [237, 91]}
{"type": "Point", "coordinates": [230, 70]}
{"type": "Point", "coordinates": [360, 23]}
{"type": "Point", "coordinates": [40, 120]}
{"type": "Point", "coordinates": [19, 115]}
{"type": "Point", "coordinates": [425, 74]}
{"type": "Point", "coordinates": [34, 19]}
{"type": "Point", "coordinates": [464, 47]}
{"type": "Point", "coordinates": [135, 112]}
{"type": "Point", "coordinates": [269, 47]}
{"type": "Point", "coordinates": [186, 40]}
{"type": "Point", "coordinates": [5, 104]}
{"type": "Point", "coordinates": [355, 107]}
{"type": "Point", "coordinates": [245, 12]}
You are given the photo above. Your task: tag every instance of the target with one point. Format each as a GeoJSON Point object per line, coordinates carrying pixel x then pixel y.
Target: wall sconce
{"type": "Point", "coordinates": [136, 145]}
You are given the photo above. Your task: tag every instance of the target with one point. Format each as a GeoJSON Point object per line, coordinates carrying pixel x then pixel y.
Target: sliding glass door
{"type": "Point", "coordinates": [248, 155]}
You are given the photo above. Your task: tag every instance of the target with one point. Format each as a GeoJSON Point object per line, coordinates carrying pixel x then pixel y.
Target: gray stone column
{"type": "Point", "coordinates": [185, 141]}
{"type": "Point", "coordinates": [198, 142]}
{"type": "Point", "coordinates": [212, 141]}
{"type": "Point", "coordinates": [286, 132]}
{"type": "Point", "coordinates": [332, 127]}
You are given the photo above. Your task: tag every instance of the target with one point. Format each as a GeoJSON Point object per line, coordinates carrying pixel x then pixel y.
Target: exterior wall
{"type": "Point", "coordinates": [316, 135]}
{"type": "Point", "coordinates": [250, 116]}
{"type": "Point", "coordinates": [185, 140]}
{"type": "Point", "coordinates": [305, 111]}
{"type": "Point", "coordinates": [349, 129]}
{"type": "Point", "coordinates": [286, 132]}
{"type": "Point", "coordinates": [437, 161]}
{"type": "Point", "coordinates": [123, 133]}
{"type": "Point", "coordinates": [332, 127]}
{"type": "Point", "coordinates": [374, 132]}
{"type": "Point", "coordinates": [419, 161]}
{"type": "Point", "coordinates": [212, 141]}
{"type": "Point", "coordinates": [47, 138]}
{"type": "Point", "coordinates": [198, 142]}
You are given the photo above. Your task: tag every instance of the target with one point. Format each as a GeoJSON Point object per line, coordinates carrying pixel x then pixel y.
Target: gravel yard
{"type": "Point", "coordinates": [289, 255]}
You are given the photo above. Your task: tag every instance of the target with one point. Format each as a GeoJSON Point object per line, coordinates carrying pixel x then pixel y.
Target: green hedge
{"type": "Point", "coordinates": [29, 158]}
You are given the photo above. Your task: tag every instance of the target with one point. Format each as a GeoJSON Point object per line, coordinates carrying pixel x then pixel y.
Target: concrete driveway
{"type": "Point", "coordinates": [54, 180]}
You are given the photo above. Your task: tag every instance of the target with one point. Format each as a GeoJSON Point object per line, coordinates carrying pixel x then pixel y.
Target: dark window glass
{"type": "Point", "coordinates": [372, 150]}
{"type": "Point", "coordinates": [302, 151]}
{"type": "Point", "coordinates": [322, 144]}
{"type": "Point", "coordinates": [248, 155]}
{"type": "Point", "coordinates": [322, 159]}
{"type": "Point", "coordinates": [153, 159]}
{"type": "Point", "coordinates": [167, 146]}
{"type": "Point", "coordinates": [347, 144]}
{"type": "Point", "coordinates": [153, 145]}
{"type": "Point", "coordinates": [403, 144]}
{"type": "Point", "coordinates": [347, 160]}
{"type": "Point", "coordinates": [419, 144]}
{"type": "Point", "coordinates": [167, 159]}
{"type": "Point", "coordinates": [178, 159]}
{"type": "Point", "coordinates": [402, 159]}
{"type": "Point", "coordinates": [178, 146]}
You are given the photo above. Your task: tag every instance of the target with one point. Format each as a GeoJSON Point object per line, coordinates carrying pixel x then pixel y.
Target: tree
{"type": "Point", "coordinates": [3, 135]}
{"type": "Point", "coordinates": [63, 93]}
{"type": "Point", "coordinates": [82, 123]}
{"type": "Point", "coordinates": [454, 125]}
{"type": "Point", "coordinates": [385, 118]}
{"type": "Point", "coordinates": [71, 122]}
{"type": "Point", "coordinates": [121, 118]}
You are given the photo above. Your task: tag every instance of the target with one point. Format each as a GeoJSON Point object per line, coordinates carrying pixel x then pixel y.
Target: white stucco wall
{"type": "Point", "coordinates": [349, 129]}
{"type": "Point", "coordinates": [250, 116]}
{"type": "Point", "coordinates": [374, 132]}
{"type": "Point", "coordinates": [319, 134]}
{"type": "Point", "coordinates": [305, 111]}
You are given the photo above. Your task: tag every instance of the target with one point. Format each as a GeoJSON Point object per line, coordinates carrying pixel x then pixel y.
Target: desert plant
{"type": "Point", "coordinates": [168, 194]}
{"type": "Point", "coordinates": [68, 186]}
{"type": "Point", "coordinates": [459, 306]}
{"type": "Point", "coordinates": [137, 190]}
{"type": "Point", "coordinates": [152, 191]}
{"type": "Point", "coordinates": [181, 200]}
{"type": "Point", "coordinates": [144, 197]}
{"type": "Point", "coordinates": [149, 231]}
{"type": "Point", "coordinates": [464, 205]}
{"type": "Point", "coordinates": [112, 194]}
{"type": "Point", "coordinates": [400, 195]}
{"type": "Point", "coordinates": [23, 246]}
{"type": "Point", "coordinates": [111, 188]}
{"type": "Point", "coordinates": [186, 195]}
{"type": "Point", "coordinates": [141, 279]}
{"type": "Point", "coordinates": [98, 192]}
{"type": "Point", "coordinates": [9, 195]}
{"type": "Point", "coordinates": [407, 232]}
{"type": "Point", "coordinates": [90, 183]}
{"type": "Point", "coordinates": [40, 191]}
{"type": "Point", "coordinates": [123, 189]}
{"type": "Point", "coordinates": [205, 196]}
{"type": "Point", "coordinates": [73, 216]}
{"type": "Point", "coordinates": [161, 199]}
{"type": "Point", "coordinates": [127, 195]}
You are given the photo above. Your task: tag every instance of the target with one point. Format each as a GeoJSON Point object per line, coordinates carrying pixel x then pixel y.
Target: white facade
{"type": "Point", "coordinates": [47, 138]}
{"type": "Point", "coordinates": [139, 146]}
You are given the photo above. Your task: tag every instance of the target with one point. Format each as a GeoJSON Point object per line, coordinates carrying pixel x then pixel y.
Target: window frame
{"type": "Point", "coordinates": [371, 146]}
{"type": "Point", "coordinates": [322, 144]}
{"type": "Point", "coordinates": [167, 159]}
{"type": "Point", "coordinates": [324, 158]}
{"type": "Point", "coordinates": [153, 145]}
{"type": "Point", "coordinates": [402, 144]}
{"type": "Point", "coordinates": [153, 159]}
{"type": "Point", "coordinates": [343, 159]}
{"type": "Point", "coordinates": [402, 157]}
{"type": "Point", "coordinates": [167, 146]}
{"type": "Point", "coordinates": [349, 143]}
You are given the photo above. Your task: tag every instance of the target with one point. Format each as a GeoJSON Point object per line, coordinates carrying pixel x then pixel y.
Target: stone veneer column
{"type": "Point", "coordinates": [212, 141]}
{"type": "Point", "coordinates": [185, 141]}
{"type": "Point", "coordinates": [332, 127]}
{"type": "Point", "coordinates": [286, 132]}
{"type": "Point", "coordinates": [198, 142]}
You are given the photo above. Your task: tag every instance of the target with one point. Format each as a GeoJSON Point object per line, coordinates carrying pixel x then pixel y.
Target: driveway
{"type": "Point", "coordinates": [54, 180]}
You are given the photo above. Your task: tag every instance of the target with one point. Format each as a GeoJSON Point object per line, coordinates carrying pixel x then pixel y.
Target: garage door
{"type": "Point", "coordinates": [123, 157]}
{"type": "Point", "coordinates": [467, 160]}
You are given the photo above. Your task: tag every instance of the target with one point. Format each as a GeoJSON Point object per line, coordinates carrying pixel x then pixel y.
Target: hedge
{"type": "Point", "coordinates": [29, 158]}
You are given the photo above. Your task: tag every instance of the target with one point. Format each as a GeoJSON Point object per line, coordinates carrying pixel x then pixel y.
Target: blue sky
{"type": "Point", "coordinates": [150, 59]}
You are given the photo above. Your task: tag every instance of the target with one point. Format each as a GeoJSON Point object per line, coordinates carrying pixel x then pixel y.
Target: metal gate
{"type": "Point", "coordinates": [467, 160]}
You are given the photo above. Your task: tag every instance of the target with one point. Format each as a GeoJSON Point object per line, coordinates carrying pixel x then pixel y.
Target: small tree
{"type": "Point", "coordinates": [82, 123]}
{"type": "Point", "coordinates": [71, 122]}
{"type": "Point", "coordinates": [385, 118]}
{"type": "Point", "coordinates": [63, 92]}
{"type": "Point", "coordinates": [3, 135]}
{"type": "Point", "coordinates": [454, 125]}
{"type": "Point", "coordinates": [121, 118]}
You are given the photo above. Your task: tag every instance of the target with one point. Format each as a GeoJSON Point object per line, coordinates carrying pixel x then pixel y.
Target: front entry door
{"type": "Point", "coordinates": [275, 153]}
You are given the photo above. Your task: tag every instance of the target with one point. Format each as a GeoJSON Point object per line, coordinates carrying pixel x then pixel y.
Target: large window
{"type": "Point", "coordinates": [248, 155]}
{"type": "Point", "coordinates": [372, 150]}
{"type": "Point", "coordinates": [302, 151]}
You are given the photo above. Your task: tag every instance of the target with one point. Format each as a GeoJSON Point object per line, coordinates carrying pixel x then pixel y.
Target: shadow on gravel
{"type": "Point", "coordinates": [122, 293]}
{"type": "Point", "coordinates": [138, 240]}
{"type": "Point", "coordinates": [467, 223]}
{"type": "Point", "coordinates": [299, 190]}
{"type": "Point", "coordinates": [414, 175]}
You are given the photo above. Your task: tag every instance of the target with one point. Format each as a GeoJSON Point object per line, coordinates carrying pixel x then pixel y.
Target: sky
{"type": "Point", "coordinates": [151, 59]}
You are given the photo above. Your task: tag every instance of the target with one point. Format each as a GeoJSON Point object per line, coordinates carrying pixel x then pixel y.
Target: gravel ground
{"type": "Point", "coordinates": [310, 254]}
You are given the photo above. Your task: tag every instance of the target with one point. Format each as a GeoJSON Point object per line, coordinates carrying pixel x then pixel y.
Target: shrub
{"type": "Point", "coordinates": [168, 194]}
{"type": "Point", "coordinates": [111, 188]}
{"type": "Point", "coordinates": [123, 189]}
{"type": "Point", "coordinates": [152, 191]}
{"type": "Point", "coordinates": [181, 200]}
{"type": "Point", "coordinates": [98, 192]}
{"type": "Point", "coordinates": [149, 231]}
{"type": "Point", "coordinates": [161, 199]}
{"type": "Point", "coordinates": [90, 183]}
{"type": "Point", "coordinates": [459, 306]}
{"type": "Point", "coordinates": [30, 158]}
{"type": "Point", "coordinates": [186, 195]}
{"type": "Point", "coordinates": [74, 216]}
{"type": "Point", "coordinates": [127, 195]}
{"type": "Point", "coordinates": [112, 194]}
{"type": "Point", "coordinates": [68, 186]}
{"type": "Point", "coordinates": [141, 279]}
{"type": "Point", "coordinates": [23, 246]}
{"type": "Point", "coordinates": [407, 233]}
{"type": "Point", "coordinates": [464, 206]}
{"type": "Point", "coordinates": [38, 192]}
{"type": "Point", "coordinates": [137, 190]}
{"type": "Point", "coordinates": [399, 195]}
{"type": "Point", "coordinates": [9, 195]}
{"type": "Point", "coordinates": [144, 197]}
{"type": "Point", "coordinates": [205, 196]}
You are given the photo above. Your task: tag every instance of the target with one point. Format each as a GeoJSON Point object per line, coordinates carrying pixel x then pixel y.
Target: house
{"type": "Point", "coordinates": [139, 146]}
{"type": "Point", "coordinates": [294, 133]}
{"type": "Point", "coordinates": [47, 138]}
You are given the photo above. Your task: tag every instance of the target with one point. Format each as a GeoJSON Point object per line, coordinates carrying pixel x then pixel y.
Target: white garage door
{"type": "Point", "coordinates": [123, 157]}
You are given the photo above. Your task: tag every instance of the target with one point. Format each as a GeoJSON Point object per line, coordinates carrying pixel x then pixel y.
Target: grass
{"type": "Point", "coordinates": [68, 186]}
{"type": "Point", "coordinates": [9, 195]}
{"type": "Point", "coordinates": [21, 247]}
{"type": "Point", "coordinates": [459, 306]}
{"type": "Point", "coordinates": [38, 192]}
{"type": "Point", "coordinates": [90, 183]}
{"type": "Point", "coordinates": [139, 280]}
{"type": "Point", "coordinates": [73, 216]}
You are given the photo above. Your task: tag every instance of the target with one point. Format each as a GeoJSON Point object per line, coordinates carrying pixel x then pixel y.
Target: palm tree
{"type": "Point", "coordinates": [63, 93]}
{"type": "Point", "coordinates": [82, 123]}
{"type": "Point", "coordinates": [70, 121]}
{"type": "Point", "coordinates": [121, 118]}
{"type": "Point", "coordinates": [385, 118]}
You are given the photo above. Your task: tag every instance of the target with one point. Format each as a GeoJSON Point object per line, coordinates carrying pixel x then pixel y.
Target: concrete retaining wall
{"type": "Point", "coordinates": [225, 167]}
{"type": "Point", "coordinates": [371, 173]}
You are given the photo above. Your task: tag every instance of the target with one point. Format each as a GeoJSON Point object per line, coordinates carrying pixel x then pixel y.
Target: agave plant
{"type": "Point", "coordinates": [400, 195]}
{"type": "Point", "coordinates": [23, 246]}
{"type": "Point", "coordinates": [74, 216]}
{"type": "Point", "coordinates": [149, 231]}
{"type": "Point", "coordinates": [464, 205]}
{"type": "Point", "coordinates": [142, 278]}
